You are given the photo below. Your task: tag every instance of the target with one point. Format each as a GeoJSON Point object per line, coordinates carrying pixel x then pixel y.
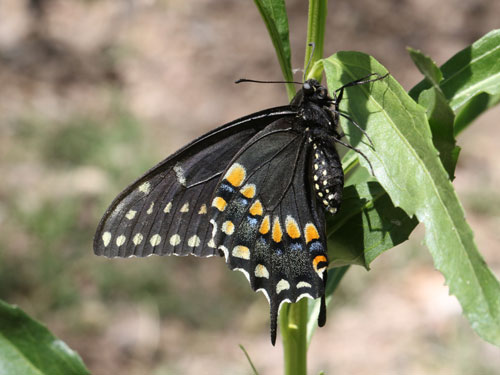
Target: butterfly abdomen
{"type": "Point", "coordinates": [326, 175]}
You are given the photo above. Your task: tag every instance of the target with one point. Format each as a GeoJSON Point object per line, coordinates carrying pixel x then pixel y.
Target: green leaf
{"type": "Point", "coordinates": [27, 347]}
{"type": "Point", "coordinates": [407, 166]}
{"type": "Point", "coordinates": [441, 120]}
{"type": "Point", "coordinates": [474, 107]}
{"type": "Point", "coordinates": [426, 66]}
{"type": "Point", "coordinates": [273, 13]}
{"type": "Point", "coordinates": [366, 225]}
{"type": "Point", "coordinates": [472, 71]}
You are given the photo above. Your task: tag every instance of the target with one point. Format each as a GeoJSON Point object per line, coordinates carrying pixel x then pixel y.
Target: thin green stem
{"type": "Point", "coordinates": [294, 317]}
{"type": "Point", "coordinates": [294, 333]}
{"type": "Point", "coordinates": [315, 33]}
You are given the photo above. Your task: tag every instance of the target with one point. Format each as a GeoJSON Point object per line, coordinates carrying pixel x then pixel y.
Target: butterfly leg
{"type": "Point", "coordinates": [356, 150]}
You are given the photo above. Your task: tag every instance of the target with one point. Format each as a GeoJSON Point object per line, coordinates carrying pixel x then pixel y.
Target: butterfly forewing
{"type": "Point", "coordinates": [166, 211]}
{"type": "Point", "coordinates": [266, 221]}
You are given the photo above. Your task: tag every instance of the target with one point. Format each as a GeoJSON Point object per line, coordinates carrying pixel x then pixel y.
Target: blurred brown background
{"type": "Point", "coordinates": [92, 93]}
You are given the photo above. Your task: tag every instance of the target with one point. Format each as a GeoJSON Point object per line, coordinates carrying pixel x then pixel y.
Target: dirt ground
{"type": "Point", "coordinates": [150, 75]}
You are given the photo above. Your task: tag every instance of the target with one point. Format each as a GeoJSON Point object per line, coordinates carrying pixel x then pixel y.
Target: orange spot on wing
{"type": "Point", "coordinates": [219, 203]}
{"type": "Point", "coordinates": [277, 233]}
{"type": "Point", "coordinates": [311, 232]}
{"type": "Point", "coordinates": [236, 174]}
{"type": "Point", "coordinates": [248, 191]}
{"type": "Point", "coordinates": [292, 229]}
{"type": "Point", "coordinates": [265, 225]}
{"type": "Point", "coordinates": [319, 259]}
{"type": "Point", "coordinates": [256, 208]}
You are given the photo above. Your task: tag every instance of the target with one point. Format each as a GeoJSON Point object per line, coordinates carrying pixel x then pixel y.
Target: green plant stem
{"type": "Point", "coordinates": [315, 32]}
{"type": "Point", "coordinates": [293, 319]}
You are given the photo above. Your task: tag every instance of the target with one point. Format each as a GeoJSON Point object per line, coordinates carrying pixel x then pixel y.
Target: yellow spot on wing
{"type": "Point", "coordinates": [155, 240]}
{"type": "Point", "coordinates": [106, 238]}
{"type": "Point", "coordinates": [303, 284]}
{"type": "Point", "coordinates": [236, 174]}
{"type": "Point", "coordinates": [203, 209]}
{"type": "Point", "coordinates": [168, 207]}
{"type": "Point", "coordinates": [311, 232]}
{"type": "Point", "coordinates": [248, 190]}
{"type": "Point", "coordinates": [137, 239]}
{"type": "Point", "coordinates": [219, 203]}
{"type": "Point", "coordinates": [145, 188]}
{"type": "Point", "coordinates": [228, 227]}
{"type": "Point", "coordinates": [256, 208]}
{"type": "Point", "coordinates": [277, 233]}
{"type": "Point", "coordinates": [194, 241]}
{"type": "Point", "coordinates": [131, 214]}
{"type": "Point", "coordinates": [175, 240]}
{"type": "Point", "coordinates": [282, 285]}
{"type": "Point", "coordinates": [265, 225]}
{"type": "Point", "coordinates": [292, 229]}
{"type": "Point", "coordinates": [120, 240]}
{"type": "Point", "coordinates": [242, 252]}
{"type": "Point", "coordinates": [261, 271]}
{"type": "Point", "coordinates": [185, 207]}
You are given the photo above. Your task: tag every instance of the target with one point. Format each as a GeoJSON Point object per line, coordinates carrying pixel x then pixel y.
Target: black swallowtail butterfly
{"type": "Point", "coordinates": [254, 191]}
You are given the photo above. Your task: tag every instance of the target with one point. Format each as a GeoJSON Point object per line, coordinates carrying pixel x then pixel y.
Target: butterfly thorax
{"type": "Point", "coordinates": [320, 125]}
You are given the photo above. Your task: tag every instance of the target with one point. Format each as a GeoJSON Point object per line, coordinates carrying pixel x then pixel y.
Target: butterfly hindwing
{"type": "Point", "coordinates": [166, 211]}
{"type": "Point", "coordinates": [266, 220]}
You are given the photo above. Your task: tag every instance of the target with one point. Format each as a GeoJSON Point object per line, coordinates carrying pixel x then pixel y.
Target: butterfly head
{"type": "Point", "coordinates": [315, 92]}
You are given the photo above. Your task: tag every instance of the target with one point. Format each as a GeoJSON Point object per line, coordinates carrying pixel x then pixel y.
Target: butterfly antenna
{"type": "Point", "coordinates": [257, 81]}
{"type": "Point", "coordinates": [309, 61]}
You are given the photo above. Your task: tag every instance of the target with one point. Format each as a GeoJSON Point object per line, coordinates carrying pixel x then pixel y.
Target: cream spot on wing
{"type": "Point", "coordinates": [315, 177]}
{"type": "Point", "coordinates": [316, 167]}
{"type": "Point", "coordinates": [282, 285]}
{"type": "Point", "coordinates": [175, 240]}
{"type": "Point", "coordinates": [185, 207]}
{"type": "Point", "coordinates": [120, 240]}
{"type": "Point", "coordinates": [145, 187]}
{"type": "Point", "coordinates": [203, 209]}
{"type": "Point", "coordinates": [261, 271]}
{"type": "Point", "coordinates": [194, 241]}
{"type": "Point", "coordinates": [241, 252]}
{"type": "Point", "coordinates": [137, 239]}
{"type": "Point", "coordinates": [168, 207]}
{"type": "Point", "coordinates": [225, 251]}
{"type": "Point", "coordinates": [106, 238]}
{"type": "Point", "coordinates": [131, 214]}
{"type": "Point", "coordinates": [155, 240]}
{"type": "Point", "coordinates": [179, 172]}
{"type": "Point", "coordinates": [324, 172]}
{"type": "Point", "coordinates": [150, 209]}
{"type": "Point", "coordinates": [211, 243]}
{"type": "Point", "coordinates": [303, 284]}
{"type": "Point", "coordinates": [320, 194]}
